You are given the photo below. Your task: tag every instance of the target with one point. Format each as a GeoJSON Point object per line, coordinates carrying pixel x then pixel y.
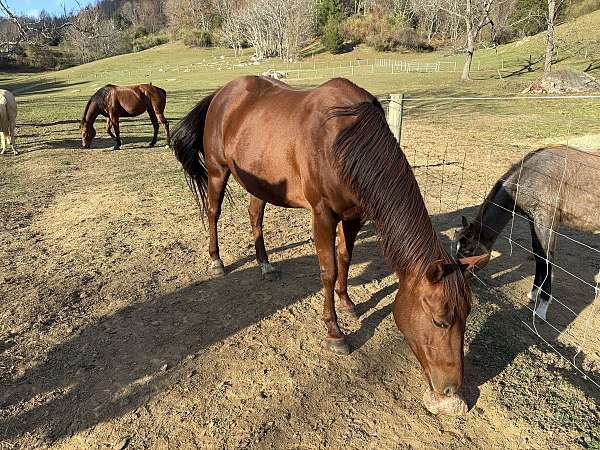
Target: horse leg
{"type": "Point", "coordinates": [256, 209]}
{"type": "Point", "coordinates": [154, 121]}
{"type": "Point", "coordinates": [2, 139]}
{"type": "Point", "coordinates": [544, 241]}
{"type": "Point", "coordinates": [162, 119]}
{"type": "Point", "coordinates": [109, 128]}
{"type": "Point", "coordinates": [540, 264]}
{"type": "Point", "coordinates": [324, 224]}
{"type": "Point", "coordinates": [115, 124]}
{"type": "Point", "coordinates": [217, 182]}
{"type": "Point", "coordinates": [347, 232]}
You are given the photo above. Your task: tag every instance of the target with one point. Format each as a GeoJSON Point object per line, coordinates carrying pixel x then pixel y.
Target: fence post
{"type": "Point", "coordinates": [395, 113]}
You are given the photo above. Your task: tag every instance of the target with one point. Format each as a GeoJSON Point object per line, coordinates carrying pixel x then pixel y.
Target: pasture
{"type": "Point", "coordinates": [114, 335]}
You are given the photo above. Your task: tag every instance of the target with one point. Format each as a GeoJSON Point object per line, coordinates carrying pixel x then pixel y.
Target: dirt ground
{"type": "Point", "coordinates": [113, 334]}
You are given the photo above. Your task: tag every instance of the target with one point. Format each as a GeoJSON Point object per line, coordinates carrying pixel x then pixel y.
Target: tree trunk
{"type": "Point", "coordinates": [470, 43]}
{"type": "Point", "coordinates": [550, 36]}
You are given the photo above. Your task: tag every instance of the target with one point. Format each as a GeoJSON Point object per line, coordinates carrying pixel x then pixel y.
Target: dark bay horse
{"type": "Point", "coordinates": [123, 101]}
{"type": "Point", "coordinates": [330, 150]}
{"type": "Point", "coordinates": [551, 186]}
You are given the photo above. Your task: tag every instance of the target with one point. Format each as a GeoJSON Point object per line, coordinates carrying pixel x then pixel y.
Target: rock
{"type": "Point", "coordinates": [563, 81]}
{"type": "Point", "coordinates": [441, 404]}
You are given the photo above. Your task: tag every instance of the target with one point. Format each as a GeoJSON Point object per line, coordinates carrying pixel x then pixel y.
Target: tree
{"type": "Point", "coordinates": [475, 16]}
{"type": "Point", "coordinates": [332, 38]}
{"type": "Point", "coordinates": [550, 36]}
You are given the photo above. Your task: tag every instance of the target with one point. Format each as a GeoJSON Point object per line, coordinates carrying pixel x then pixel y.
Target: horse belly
{"type": "Point", "coordinates": [269, 182]}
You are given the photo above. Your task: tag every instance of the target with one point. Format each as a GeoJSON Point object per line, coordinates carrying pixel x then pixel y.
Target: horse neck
{"type": "Point", "coordinates": [495, 213]}
{"type": "Point", "coordinates": [92, 111]}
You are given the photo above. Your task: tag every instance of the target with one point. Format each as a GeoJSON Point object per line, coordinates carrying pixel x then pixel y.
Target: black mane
{"type": "Point", "coordinates": [99, 98]}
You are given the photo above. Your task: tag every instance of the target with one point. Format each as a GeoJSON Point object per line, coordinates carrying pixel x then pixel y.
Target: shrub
{"type": "Point", "coordinates": [145, 42]}
{"type": "Point", "coordinates": [332, 39]}
{"type": "Point", "coordinates": [384, 32]}
{"type": "Point", "coordinates": [198, 38]}
{"type": "Point", "coordinates": [140, 32]}
{"type": "Point", "coordinates": [403, 38]}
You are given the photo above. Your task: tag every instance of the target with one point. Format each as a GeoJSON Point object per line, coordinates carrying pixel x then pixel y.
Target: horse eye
{"type": "Point", "coordinates": [439, 324]}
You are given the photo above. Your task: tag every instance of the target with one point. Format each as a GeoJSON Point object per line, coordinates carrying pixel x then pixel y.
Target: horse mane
{"type": "Point", "coordinates": [99, 97]}
{"type": "Point", "coordinates": [371, 162]}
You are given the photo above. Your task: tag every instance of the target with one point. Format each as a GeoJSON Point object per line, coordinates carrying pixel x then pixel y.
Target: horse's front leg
{"type": "Point", "coordinates": [347, 232]}
{"type": "Point", "coordinates": [324, 223]}
{"type": "Point", "coordinates": [256, 210]}
{"type": "Point", "coordinates": [154, 121]}
{"type": "Point", "coordinates": [3, 141]}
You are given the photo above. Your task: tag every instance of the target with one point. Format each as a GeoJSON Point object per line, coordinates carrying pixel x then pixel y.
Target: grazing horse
{"type": "Point", "coordinates": [551, 186]}
{"type": "Point", "coordinates": [123, 101]}
{"type": "Point", "coordinates": [8, 119]}
{"type": "Point", "coordinates": [330, 150]}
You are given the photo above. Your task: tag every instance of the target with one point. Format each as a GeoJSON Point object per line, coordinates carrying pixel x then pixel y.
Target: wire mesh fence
{"type": "Point", "coordinates": [457, 165]}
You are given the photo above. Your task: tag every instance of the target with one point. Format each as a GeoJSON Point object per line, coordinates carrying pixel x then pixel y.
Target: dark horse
{"type": "Point", "coordinates": [551, 186]}
{"type": "Point", "coordinates": [330, 150]}
{"type": "Point", "coordinates": [123, 101]}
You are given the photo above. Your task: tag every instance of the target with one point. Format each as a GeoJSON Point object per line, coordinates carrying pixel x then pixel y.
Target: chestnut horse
{"type": "Point", "coordinates": [123, 101]}
{"type": "Point", "coordinates": [330, 150]}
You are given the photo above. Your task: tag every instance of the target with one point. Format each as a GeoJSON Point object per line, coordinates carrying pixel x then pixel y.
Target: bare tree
{"type": "Point", "coordinates": [550, 18]}
{"type": "Point", "coordinates": [475, 14]}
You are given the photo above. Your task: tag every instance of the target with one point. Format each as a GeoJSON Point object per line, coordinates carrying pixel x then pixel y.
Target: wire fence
{"type": "Point", "coordinates": [456, 172]}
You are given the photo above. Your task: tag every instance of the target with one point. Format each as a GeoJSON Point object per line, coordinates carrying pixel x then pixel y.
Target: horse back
{"type": "Point", "coordinates": [276, 139]}
{"type": "Point", "coordinates": [563, 182]}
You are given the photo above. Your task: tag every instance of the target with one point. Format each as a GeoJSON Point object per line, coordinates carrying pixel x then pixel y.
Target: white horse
{"type": "Point", "coordinates": [8, 120]}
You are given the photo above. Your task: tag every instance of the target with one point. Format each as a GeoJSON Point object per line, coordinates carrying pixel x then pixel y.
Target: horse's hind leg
{"type": "Point", "coordinates": [217, 182]}
{"type": "Point", "coordinates": [154, 121]}
{"type": "Point", "coordinates": [109, 128]}
{"type": "Point", "coordinates": [3, 142]}
{"type": "Point", "coordinates": [543, 241]}
{"type": "Point", "coordinates": [162, 119]}
{"type": "Point", "coordinates": [347, 232]}
{"type": "Point", "coordinates": [115, 124]}
{"type": "Point", "coordinates": [256, 209]}
{"type": "Point", "coordinates": [324, 224]}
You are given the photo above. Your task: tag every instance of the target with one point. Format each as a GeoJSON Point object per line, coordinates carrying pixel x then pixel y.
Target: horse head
{"type": "Point", "coordinates": [468, 242]}
{"type": "Point", "coordinates": [87, 133]}
{"type": "Point", "coordinates": [431, 311]}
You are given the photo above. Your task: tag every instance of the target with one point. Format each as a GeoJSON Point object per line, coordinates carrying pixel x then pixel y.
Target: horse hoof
{"type": "Point", "coordinates": [117, 147]}
{"type": "Point", "coordinates": [217, 268]}
{"type": "Point", "coordinates": [151, 144]}
{"type": "Point", "coordinates": [269, 272]}
{"type": "Point", "coordinates": [349, 312]}
{"type": "Point", "coordinates": [339, 346]}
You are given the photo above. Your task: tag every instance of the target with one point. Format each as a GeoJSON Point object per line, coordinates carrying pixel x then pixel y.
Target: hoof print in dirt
{"type": "Point", "coordinates": [436, 404]}
{"type": "Point", "coordinates": [338, 346]}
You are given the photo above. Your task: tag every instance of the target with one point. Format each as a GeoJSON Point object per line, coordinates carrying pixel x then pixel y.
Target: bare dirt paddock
{"type": "Point", "coordinates": [112, 335]}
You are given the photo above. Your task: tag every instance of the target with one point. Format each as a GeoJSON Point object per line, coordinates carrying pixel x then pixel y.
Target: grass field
{"type": "Point", "coordinates": [113, 335]}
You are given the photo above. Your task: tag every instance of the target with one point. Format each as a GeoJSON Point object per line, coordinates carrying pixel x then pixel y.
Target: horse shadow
{"type": "Point", "coordinates": [114, 365]}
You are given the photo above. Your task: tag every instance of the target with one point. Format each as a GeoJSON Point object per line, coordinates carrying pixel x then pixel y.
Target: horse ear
{"type": "Point", "coordinates": [471, 263]}
{"type": "Point", "coordinates": [465, 222]}
{"type": "Point", "coordinates": [435, 272]}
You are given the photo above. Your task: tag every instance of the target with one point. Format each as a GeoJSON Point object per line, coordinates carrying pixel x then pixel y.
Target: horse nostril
{"type": "Point", "coordinates": [449, 391]}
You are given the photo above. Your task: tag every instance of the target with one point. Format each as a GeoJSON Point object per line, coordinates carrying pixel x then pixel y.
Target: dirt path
{"type": "Point", "coordinates": [112, 335]}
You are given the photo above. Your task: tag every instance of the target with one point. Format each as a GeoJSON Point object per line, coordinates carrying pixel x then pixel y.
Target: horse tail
{"type": "Point", "coordinates": [187, 144]}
